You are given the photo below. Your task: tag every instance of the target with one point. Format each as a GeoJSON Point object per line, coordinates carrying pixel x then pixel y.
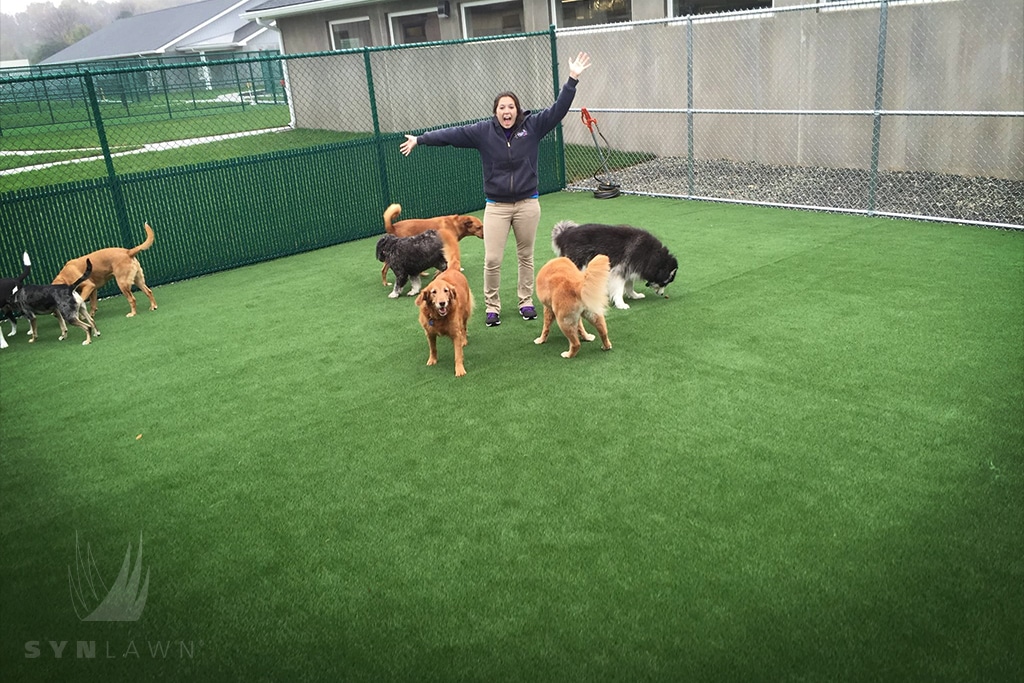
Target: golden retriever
{"type": "Point", "coordinates": [445, 306]}
{"type": "Point", "coordinates": [458, 225]}
{"type": "Point", "coordinates": [113, 262]}
{"type": "Point", "coordinates": [569, 295]}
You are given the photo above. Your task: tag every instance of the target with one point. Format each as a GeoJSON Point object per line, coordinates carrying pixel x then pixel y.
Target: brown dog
{"type": "Point", "coordinates": [445, 306]}
{"type": "Point", "coordinates": [114, 262]}
{"type": "Point", "coordinates": [458, 225]}
{"type": "Point", "coordinates": [569, 295]}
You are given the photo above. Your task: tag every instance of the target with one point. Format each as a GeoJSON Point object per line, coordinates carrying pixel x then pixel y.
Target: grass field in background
{"type": "Point", "coordinates": [158, 159]}
{"type": "Point", "coordinates": [136, 132]}
{"type": "Point", "coordinates": [805, 465]}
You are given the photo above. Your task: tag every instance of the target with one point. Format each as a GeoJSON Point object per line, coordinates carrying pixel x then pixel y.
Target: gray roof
{"type": "Point", "coordinates": [207, 24]}
{"type": "Point", "coordinates": [275, 4]}
{"type": "Point", "coordinates": [276, 8]}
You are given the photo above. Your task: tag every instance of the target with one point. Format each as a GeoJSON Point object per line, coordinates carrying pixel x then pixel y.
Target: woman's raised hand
{"type": "Point", "coordinates": [578, 65]}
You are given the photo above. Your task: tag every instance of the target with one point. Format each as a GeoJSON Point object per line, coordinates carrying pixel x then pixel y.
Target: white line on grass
{"type": "Point", "coordinates": [150, 147]}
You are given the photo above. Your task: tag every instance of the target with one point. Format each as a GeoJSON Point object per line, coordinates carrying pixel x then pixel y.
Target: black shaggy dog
{"type": "Point", "coordinates": [634, 253]}
{"type": "Point", "coordinates": [410, 256]}
{"type": "Point", "coordinates": [8, 288]}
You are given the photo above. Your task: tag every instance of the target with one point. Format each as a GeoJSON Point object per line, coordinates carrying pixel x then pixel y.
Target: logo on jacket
{"type": "Point", "coordinates": [521, 134]}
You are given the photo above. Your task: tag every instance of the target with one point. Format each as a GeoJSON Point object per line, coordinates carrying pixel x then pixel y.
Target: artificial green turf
{"type": "Point", "coordinates": [803, 465]}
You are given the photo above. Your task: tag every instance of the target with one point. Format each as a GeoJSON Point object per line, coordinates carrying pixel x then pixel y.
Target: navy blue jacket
{"type": "Point", "coordinates": [510, 165]}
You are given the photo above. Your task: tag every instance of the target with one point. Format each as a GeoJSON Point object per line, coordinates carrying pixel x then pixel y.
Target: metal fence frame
{"type": "Point", "coordinates": [571, 39]}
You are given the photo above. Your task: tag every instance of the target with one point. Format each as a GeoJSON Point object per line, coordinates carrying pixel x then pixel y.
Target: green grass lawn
{"type": "Point", "coordinates": [803, 465]}
{"type": "Point", "coordinates": [164, 158]}
{"type": "Point", "coordinates": [128, 131]}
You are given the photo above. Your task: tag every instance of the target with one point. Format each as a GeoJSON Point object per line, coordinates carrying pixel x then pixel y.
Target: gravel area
{"type": "Point", "coordinates": [933, 195]}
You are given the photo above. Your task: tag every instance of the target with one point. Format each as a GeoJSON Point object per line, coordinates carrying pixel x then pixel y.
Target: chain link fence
{"type": "Point", "coordinates": [131, 89]}
{"type": "Point", "coordinates": [910, 109]}
{"type": "Point", "coordinates": [854, 106]}
{"type": "Point", "coordinates": [259, 175]}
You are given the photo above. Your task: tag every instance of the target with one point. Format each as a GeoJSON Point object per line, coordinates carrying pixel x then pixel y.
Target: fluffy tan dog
{"type": "Point", "coordinates": [569, 295]}
{"type": "Point", "coordinates": [445, 306]}
{"type": "Point", "coordinates": [114, 262]}
{"type": "Point", "coordinates": [458, 225]}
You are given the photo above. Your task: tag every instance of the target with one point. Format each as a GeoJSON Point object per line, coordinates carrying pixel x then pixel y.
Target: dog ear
{"type": "Point", "coordinates": [423, 297]}
{"type": "Point", "coordinates": [451, 294]}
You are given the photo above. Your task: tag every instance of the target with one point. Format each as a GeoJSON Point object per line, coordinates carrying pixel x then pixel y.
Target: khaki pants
{"type": "Point", "coordinates": [522, 218]}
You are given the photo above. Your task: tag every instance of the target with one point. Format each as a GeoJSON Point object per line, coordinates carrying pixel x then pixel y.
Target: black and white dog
{"type": "Point", "coordinates": [61, 300]}
{"type": "Point", "coordinates": [410, 256]}
{"type": "Point", "coordinates": [8, 288]}
{"type": "Point", "coordinates": [635, 254]}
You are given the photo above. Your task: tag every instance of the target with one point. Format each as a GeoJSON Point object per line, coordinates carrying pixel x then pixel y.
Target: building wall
{"type": "Point", "coordinates": [310, 33]}
{"type": "Point", "coordinates": [801, 61]}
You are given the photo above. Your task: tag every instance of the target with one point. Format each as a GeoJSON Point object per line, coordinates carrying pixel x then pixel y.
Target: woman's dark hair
{"type": "Point", "coordinates": [519, 107]}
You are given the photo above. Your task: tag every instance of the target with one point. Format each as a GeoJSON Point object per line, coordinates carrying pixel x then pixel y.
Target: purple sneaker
{"type": "Point", "coordinates": [528, 313]}
{"type": "Point", "coordinates": [493, 320]}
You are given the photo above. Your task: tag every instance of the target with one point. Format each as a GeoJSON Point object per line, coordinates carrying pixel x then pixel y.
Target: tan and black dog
{"type": "Point", "coordinates": [114, 262]}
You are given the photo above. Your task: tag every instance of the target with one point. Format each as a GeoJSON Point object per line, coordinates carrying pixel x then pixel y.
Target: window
{"type": "Point", "coordinates": [350, 33]}
{"type": "Point", "coordinates": [414, 26]}
{"type": "Point", "coordinates": [682, 8]}
{"type": "Point", "coordinates": [590, 12]}
{"type": "Point", "coordinates": [493, 18]}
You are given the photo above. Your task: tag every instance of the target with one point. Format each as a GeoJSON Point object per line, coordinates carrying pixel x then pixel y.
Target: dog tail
{"type": "Point", "coordinates": [390, 214]}
{"type": "Point", "coordinates": [145, 245]}
{"type": "Point", "coordinates": [85, 275]}
{"type": "Point", "coordinates": [26, 268]}
{"type": "Point", "coordinates": [560, 227]}
{"type": "Point", "coordinates": [595, 284]}
{"type": "Point", "coordinates": [451, 249]}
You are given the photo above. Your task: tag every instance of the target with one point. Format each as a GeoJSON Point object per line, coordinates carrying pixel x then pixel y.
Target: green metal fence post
{"type": "Point", "coordinates": [167, 95]}
{"type": "Point", "coordinates": [238, 84]}
{"type": "Point", "coordinates": [876, 131]}
{"type": "Point", "coordinates": [191, 88]}
{"type": "Point", "coordinates": [49, 107]}
{"type": "Point", "coordinates": [381, 158]}
{"type": "Point", "coordinates": [559, 139]}
{"type": "Point", "coordinates": [252, 85]}
{"type": "Point", "coordinates": [112, 179]}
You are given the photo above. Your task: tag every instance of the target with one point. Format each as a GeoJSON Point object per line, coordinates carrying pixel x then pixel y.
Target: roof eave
{"type": "Point", "coordinates": [211, 47]}
{"type": "Point", "coordinates": [126, 55]}
{"type": "Point", "coordinates": [303, 8]}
